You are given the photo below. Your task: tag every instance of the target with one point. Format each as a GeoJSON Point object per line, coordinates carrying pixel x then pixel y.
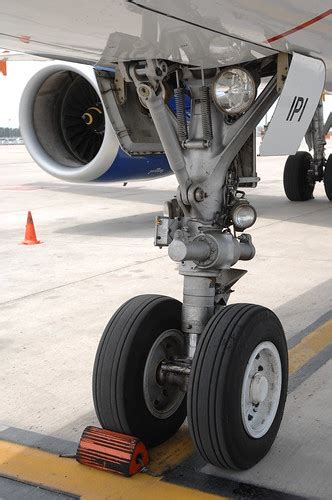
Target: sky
{"type": "Point", "coordinates": [19, 73]}
{"type": "Point", "coordinates": [11, 88]}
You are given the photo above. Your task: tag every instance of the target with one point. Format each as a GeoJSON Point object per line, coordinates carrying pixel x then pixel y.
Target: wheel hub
{"type": "Point", "coordinates": [261, 390]}
{"type": "Point", "coordinates": [258, 388]}
{"type": "Point", "coordinates": [162, 397]}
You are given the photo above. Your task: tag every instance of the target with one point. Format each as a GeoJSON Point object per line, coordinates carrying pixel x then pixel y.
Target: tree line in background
{"type": "Point", "coordinates": [9, 132]}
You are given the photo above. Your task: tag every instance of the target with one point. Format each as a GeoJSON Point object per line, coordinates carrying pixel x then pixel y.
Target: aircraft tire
{"type": "Point", "coordinates": [227, 380]}
{"type": "Point", "coordinates": [127, 396]}
{"type": "Point", "coordinates": [328, 178]}
{"type": "Point", "coordinates": [297, 186]}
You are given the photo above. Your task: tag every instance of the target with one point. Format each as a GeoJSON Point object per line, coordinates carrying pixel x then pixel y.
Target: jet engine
{"type": "Point", "coordinates": [67, 132]}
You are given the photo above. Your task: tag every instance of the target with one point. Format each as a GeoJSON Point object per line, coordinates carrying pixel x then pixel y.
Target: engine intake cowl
{"type": "Point", "coordinates": [67, 132]}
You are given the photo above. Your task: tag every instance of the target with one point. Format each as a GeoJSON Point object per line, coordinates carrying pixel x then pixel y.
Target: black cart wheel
{"type": "Point", "coordinates": [238, 386]}
{"type": "Point", "coordinates": [128, 394]}
{"type": "Point", "coordinates": [328, 178]}
{"type": "Point", "coordinates": [297, 184]}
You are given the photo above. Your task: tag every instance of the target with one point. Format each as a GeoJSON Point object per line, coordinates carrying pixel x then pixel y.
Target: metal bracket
{"type": "Point", "coordinates": [120, 87]}
{"type": "Point", "coordinates": [282, 70]}
{"type": "Point", "coordinates": [164, 231]}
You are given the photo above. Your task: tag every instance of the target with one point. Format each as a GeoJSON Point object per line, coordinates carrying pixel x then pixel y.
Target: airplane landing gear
{"type": "Point", "coordinates": [228, 362]}
{"type": "Point", "coordinates": [328, 178]}
{"type": "Point", "coordinates": [298, 182]}
{"type": "Point", "coordinates": [303, 170]}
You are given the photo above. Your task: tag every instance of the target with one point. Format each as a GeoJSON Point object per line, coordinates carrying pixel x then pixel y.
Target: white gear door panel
{"type": "Point", "coordinates": [297, 104]}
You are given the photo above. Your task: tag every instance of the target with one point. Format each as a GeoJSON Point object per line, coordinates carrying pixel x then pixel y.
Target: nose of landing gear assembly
{"type": "Point", "coordinates": [228, 363]}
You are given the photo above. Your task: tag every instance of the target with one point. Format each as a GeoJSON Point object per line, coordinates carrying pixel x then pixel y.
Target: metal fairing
{"type": "Point", "coordinates": [131, 168]}
{"type": "Point", "coordinates": [297, 104]}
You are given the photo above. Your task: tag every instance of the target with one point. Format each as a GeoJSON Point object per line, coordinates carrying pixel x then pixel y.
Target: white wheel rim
{"type": "Point", "coordinates": [261, 389]}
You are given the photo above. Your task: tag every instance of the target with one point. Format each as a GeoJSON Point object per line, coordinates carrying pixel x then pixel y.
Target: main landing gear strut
{"type": "Point", "coordinates": [160, 361]}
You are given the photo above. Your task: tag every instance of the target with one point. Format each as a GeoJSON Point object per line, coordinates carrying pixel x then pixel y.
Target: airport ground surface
{"type": "Point", "coordinates": [97, 252]}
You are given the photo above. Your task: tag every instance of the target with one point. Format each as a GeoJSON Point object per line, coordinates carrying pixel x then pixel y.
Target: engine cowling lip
{"type": "Point", "coordinates": [85, 173]}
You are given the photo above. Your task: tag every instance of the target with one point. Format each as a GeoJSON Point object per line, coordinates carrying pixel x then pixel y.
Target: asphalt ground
{"type": "Point", "coordinates": [97, 252]}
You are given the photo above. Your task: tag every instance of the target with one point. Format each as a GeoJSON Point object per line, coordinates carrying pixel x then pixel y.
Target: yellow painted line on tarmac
{"type": "Point", "coordinates": [168, 455]}
{"type": "Point", "coordinates": [310, 346]}
{"type": "Point", "coordinates": [68, 476]}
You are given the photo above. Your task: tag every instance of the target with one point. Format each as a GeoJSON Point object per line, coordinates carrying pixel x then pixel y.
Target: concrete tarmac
{"type": "Point", "coordinates": [97, 252]}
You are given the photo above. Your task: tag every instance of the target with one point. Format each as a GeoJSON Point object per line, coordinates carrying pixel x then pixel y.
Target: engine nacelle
{"type": "Point", "coordinates": [67, 132]}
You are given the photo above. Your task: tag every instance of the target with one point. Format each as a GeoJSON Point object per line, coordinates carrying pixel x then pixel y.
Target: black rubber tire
{"type": "Point", "coordinates": [215, 385]}
{"type": "Point", "coordinates": [296, 184]}
{"type": "Point", "coordinates": [328, 178]}
{"type": "Point", "coordinates": [119, 367]}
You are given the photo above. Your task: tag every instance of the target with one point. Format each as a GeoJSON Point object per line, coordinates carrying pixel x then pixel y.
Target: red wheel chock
{"type": "Point", "coordinates": [112, 451]}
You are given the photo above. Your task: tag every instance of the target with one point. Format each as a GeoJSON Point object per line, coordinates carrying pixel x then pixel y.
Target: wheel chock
{"type": "Point", "coordinates": [112, 451]}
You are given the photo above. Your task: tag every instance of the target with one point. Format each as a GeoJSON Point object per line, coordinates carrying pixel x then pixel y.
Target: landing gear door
{"type": "Point", "coordinates": [297, 104]}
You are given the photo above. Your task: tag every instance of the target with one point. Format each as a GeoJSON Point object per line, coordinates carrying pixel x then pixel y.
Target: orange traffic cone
{"type": "Point", "coordinates": [30, 233]}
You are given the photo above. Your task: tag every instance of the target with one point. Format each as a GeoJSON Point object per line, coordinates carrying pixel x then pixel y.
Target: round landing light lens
{"type": "Point", "coordinates": [234, 91]}
{"type": "Point", "coordinates": [243, 216]}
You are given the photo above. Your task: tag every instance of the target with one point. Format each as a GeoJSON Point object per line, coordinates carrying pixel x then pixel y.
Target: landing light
{"type": "Point", "coordinates": [234, 90]}
{"type": "Point", "coordinates": [243, 216]}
